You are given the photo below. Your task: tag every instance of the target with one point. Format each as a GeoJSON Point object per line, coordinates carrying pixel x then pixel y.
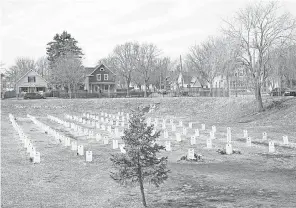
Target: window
{"type": "Point", "coordinates": [106, 86]}
{"type": "Point", "coordinates": [105, 76]}
{"type": "Point", "coordinates": [98, 77]}
{"type": "Point", "coordinates": [31, 79]}
{"type": "Point", "coordinates": [101, 69]}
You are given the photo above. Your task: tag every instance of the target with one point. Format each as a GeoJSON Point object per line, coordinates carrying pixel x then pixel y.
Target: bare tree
{"type": "Point", "coordinates": [258, 29]}
{"type": "Point", "coordinates": [125, 61]}
{"type": "Point", "coordinates": [42, 66]}
{"type": "Point", "coordinates": [22, 65]}
{"type": "Point", "coordinates": [69, 72]}
{"type": "Point", "coordinates": [146, 63]}
{"type": "Point", "coordinates": [206, 60]}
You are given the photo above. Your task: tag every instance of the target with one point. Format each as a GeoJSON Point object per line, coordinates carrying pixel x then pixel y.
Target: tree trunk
{"type": "Point", "coordinates": [258, 97]}
{"type": "Point", "coordinates": [145, 91]}
{"type": "Point", "coordinates": [128, 84]}
{"type": "Point", "coordinates": [69, 90]}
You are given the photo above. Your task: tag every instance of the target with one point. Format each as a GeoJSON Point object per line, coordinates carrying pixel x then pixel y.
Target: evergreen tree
{"type": "Point", "coordinates": [140, 163]}
{"type": "Point", "coordinates": [60, 46]}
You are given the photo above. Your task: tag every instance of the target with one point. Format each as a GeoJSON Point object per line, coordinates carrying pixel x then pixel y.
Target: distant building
{"type": "Point", "coordinates": [100, 79]}
{"type": "Point", "coordinates": [31, 82]}
{"type": "Point", "coordinates": [188, 81]}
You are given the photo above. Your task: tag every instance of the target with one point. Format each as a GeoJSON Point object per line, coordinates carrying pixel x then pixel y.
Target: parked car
{"type": "Point", "coordinates": [33, 95]}
{"type": "Point", "coordinates": [278, 91]}
{"type": "Point", "coordinates": [290, 92]}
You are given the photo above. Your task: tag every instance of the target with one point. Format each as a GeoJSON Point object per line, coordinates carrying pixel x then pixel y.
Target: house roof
{"type": "Point", "coordinates": [90, 70]}
{"type": "Point", "coordinates": [31, 70]}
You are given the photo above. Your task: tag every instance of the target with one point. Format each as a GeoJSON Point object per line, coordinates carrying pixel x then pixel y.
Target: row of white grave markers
{"type": "Point", "coordinates": [27, 142]}
{"type": "Point", "coordinates": [105, 140]}
{"type": "Point", "coordinates": [116, 132]}
{"type": "Point", "coordinates": [66, 140]}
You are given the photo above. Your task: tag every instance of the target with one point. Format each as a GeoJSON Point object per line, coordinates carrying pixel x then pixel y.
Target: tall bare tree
{"type": "Point", "coordinates": [258, 29]}
{"type": "Point", "coordinates": [42, 67]}
{"type": "Point", "coordinates": [146, 63]}
{"type": "Point", "coordinates": [69, 72]}
{"type": "Point", "coordinates": [22, 65]}
{"type": "Point", "coordinates": [125, 61]}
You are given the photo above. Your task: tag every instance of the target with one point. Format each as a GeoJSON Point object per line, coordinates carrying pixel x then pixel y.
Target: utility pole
{"type": "Point", "coordinates": [181, 70]}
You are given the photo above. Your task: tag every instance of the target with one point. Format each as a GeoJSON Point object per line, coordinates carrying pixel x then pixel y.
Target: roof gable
{"type": "Point", "coordinates": [35, 74]}
{"type": "Point", "coordinates": [90, 70]}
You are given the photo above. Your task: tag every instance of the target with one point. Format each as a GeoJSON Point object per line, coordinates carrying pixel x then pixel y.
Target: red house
{"type": "Point", "coordinates": [100, 79]}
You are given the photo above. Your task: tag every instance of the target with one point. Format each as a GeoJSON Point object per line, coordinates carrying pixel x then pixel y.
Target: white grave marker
{"type": "Point", "coordinates": [228, 137]}
{"type": "Point", "coordinates": [285, 140]}
{"type": "Point", "coordinates": [166, 134]}
{"type": "Point", "coordinates": [212, 135]}
{"type": "Point", "coordinates": [168, 146]}
{"type": "Point", "coordinates": [80, 150]}
{"type": "Point", "coordinates": [190, 154]}
{"type": "Point", "coordinates": [115, 144]}
{"type": "Point", "coordinates": [228, 149]}
{"type": "Point", "coordinates": [190, 125]}
{"type": "Point", "coordinates": [173, 127]}
{"type": "Point", "coordinates": [271, 148]}
{"type": "Point", "coordinates": [36, 157]}
{"type": "Point", "coordinates": [203, 127]}
{"type": "Point", "coordinates": [264, 136]}
{"type": "Point", "coordinates": [67, 142]}
{"type": "Point", "coordinates": [196, 132]}
{"type": "Point", "coordinates": [171, 121]}
{"type": "Point", "coordinates": [74, 145]}
{"type": "Point", "coordinates": [180, 123]}
{"type": "Point", "coordinates": [249, 141]}
{"type": "Point", "coordinates": [178, 137]}
{"type": "Point", "coordinates": [106, 140]}
{"type": "Point", "coordinates": [193, 140]}
{"type": "Point", "coordinates": [214, 129]}
{"type": "Point", "coordinates": [88, 156]}
{"type": "Point", "coordinates": [121, 147]}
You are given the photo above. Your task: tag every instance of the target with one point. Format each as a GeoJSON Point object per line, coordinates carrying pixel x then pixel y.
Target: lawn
{"type": "Point", "coordinates": [255, 178]}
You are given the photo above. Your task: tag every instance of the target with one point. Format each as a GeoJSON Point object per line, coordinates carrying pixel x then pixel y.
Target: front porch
{"type": "Point", "coordinates": [101, 88]}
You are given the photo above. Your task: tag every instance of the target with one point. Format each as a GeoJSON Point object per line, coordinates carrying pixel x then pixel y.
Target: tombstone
{"type": "Point", "coordinates": [285, 140]}
{"type": "Point", "coordinates": [88, 156]}
{"type": "Point", "coordinates": [209, 143]}
{"type": "Point", "coordinates": [67, 142]}
{"type": "Point", "coordinates": [245, 133]}
{"type": "Point", "coordinates": [36, 157]}
{"type": "Point", "coordinates": [106, 140]}
{"type": "Point", "coordinates": [93, 123]}
{"type": "Point", "coordinates": [102, 119]}
{"type": "Point", "coordinates": [109, 128]}
{"type": "Point", "coordinates": [83, 121]}
{"type": "Point", "coordinates": [190, 154]}
{"type": "Point", "coordinates": [168, 146]}
{"type": "Point", "coordinates": [80, 150]}
{"type": "Point", "coordinates": [116, 123]}
{"type": "Point", "coordinates": [190, 125]}
{"type": "Point", "coordinates": [193, 140]}
{"type": "Point", "coordinates": [271, 148]}
{"type": "Point", "coordinates": [115, 144]}
{"type": "Point", "coordinates": [203, 127]}
{"type": "Point", "coordinates": [98, 137]}
{"type": "Point", "coordinates": [264, 136]}
{"type": "Point", "coordinates": [122, 124]}
{"type": "Point", "coordinates": [228, 149]}
{"type": "Point", "coordinates": [180, 123]}
{"type": "Point", "coordinates": [228, 130]}
{"type": "Point", "coordinates": [184, 131]}
{"type": "Point", "coordinates": [121, 147]}
{"type": "Point", "coordinates": [87, 115]}
{"type": "Point", "coordinates": [32, 152]}
{"type": "Point", "coordinates": [156, 122]}
{"type": "Point", "coordinates": [171, 121]}
{"type": "Point", "coordinates": [98, 125]}
{"type": "Point", "coordinates": [165, 134]}
{"type": "Point", "coordinates": [29, 147]}
{"type": "Point", "coordinates": [214, 129]}
{"type": "Point", "coordinates": [173, 127]}
{"type": "Point", "coordinates": [178, 137]}
{"type": "Point", "coordinates": [249, 141]}
{"type": "Point", "coordinates": [196, 132]}
{"type": "Point", "coordinates": [212, 135]}
{"type": "Point", "coordinates": [85, 131]}
{"type": "Point", "coordinates": [74, 145]}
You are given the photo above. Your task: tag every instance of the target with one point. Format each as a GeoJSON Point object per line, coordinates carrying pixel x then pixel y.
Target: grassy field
{"type": "Point", "coordinates": [254, 178]}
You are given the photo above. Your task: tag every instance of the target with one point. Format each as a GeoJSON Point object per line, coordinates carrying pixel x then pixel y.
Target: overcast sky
{"type": "Point", "coordinates": [173, 25]}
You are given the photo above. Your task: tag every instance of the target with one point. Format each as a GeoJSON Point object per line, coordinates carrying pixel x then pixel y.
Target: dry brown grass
{"type": "Point", "coordinates": [63, 179]}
